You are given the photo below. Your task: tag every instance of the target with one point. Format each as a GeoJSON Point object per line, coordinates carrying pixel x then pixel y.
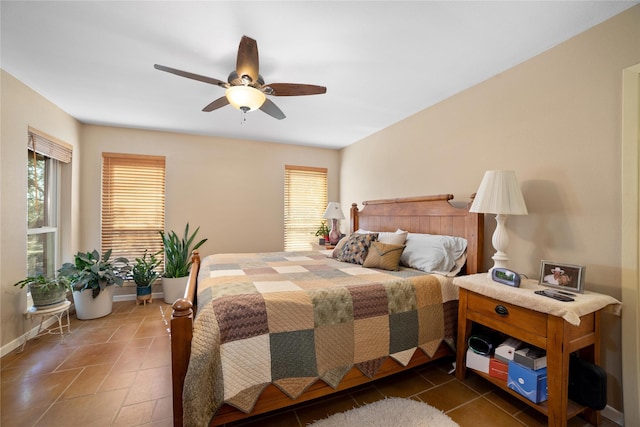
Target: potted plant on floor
{"type": "Point", "coordinates": [46, 291]}
{"type": "Point", "coordinates": [144, 274]}
{"type": "Point", "coordinates": [323, 233]}
{"type": "Point", "coordinates": [92, 279]}
{"type": "Point", "coordinates": [177, 262]}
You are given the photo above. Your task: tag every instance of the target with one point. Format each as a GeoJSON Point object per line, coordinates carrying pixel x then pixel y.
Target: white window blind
{"type": "Point", "coordinates": [305, 200]}
{"type": "Point", "coordinates": [49, 146]}
{"type": "Point", "coordinates": [133, 196]}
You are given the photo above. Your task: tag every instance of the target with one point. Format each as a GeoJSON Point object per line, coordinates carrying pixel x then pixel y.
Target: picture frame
{"type": "Point", "coordinates": [567, 277]}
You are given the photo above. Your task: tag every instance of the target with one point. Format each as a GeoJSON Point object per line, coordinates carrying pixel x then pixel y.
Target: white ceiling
{"type": "Point", "coordinates": [381, 61]}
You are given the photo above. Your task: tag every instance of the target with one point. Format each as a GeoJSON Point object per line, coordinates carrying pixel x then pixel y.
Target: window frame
{"type": "Point", "coordinates": [55, 152]}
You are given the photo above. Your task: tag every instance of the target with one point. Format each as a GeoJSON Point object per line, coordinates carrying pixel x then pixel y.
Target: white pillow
{"type": "Point", "coordinates": [397, 237]}
{"type": "Point", "coordinates": [432, 253]}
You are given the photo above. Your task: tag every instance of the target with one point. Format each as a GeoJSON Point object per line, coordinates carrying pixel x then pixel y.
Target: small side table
{"type": "Point", "coordinates": [517, 312]}
{"type": "Point", "coordinates": [57, 311]}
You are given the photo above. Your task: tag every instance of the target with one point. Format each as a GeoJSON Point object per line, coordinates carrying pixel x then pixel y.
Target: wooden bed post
{"type": "Point", "coordinates": [353, 223]}
{"type": "Point", "coordinates": [181, 335]}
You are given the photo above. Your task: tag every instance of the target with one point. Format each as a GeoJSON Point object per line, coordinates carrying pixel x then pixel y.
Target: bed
{"type": "Point", "coordinates": [268, 305]}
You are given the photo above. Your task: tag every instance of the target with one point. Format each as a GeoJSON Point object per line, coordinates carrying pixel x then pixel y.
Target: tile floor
{"type": "Point", "coordinates": [115, 371]}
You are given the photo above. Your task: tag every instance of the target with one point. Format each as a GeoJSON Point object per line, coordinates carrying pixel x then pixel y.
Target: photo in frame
{"type": "Point", "coordinates": [568, 277]}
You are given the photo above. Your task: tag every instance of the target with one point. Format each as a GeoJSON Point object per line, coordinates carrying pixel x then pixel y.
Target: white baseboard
{"type": "Point", "coordinates": [613, 415]}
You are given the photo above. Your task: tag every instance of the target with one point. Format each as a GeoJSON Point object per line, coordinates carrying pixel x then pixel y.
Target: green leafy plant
{"type": "Point", "coordinates": [323, 230]}
{"type": "Point", "coordinates": [46, 290]}
{"type": "Point", "coordinates": [177, 252]}
{"type": "Point", "coordinates": [92, 272]}
{"type": "Point", "coordinates": [143, 271]}
{"type": "Point", "coordinates": [44, 282]}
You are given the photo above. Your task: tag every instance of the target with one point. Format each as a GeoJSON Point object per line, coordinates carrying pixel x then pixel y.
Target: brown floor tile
{"type": "Point", "coordinates": [320, 410]}
{"type": "Point", "coordinates": [131, 359]}
{"type": "Point", "coordinates": [480, 413]}
{"type": "Point", "coordinates": [284, 419]}
{"type": "Point", "coordinates": [35, 391]}
{"type": "Point", "coordinates": [150, 384]}
{"type": "Point", "coordinates": [448, 396]}
{"type": "Point", "coordinates": [368, 394]}
{"type": "Point", "coordinates": [93, 410]}
{"type": "Point", "coordinates": [404, 384]}
{"type": "Point", "coordinates": [152, 328]}
{"type": "Point", "coordinates": [96, 354]}
{"type": "Point", "coordinates": [134, 415]}
{"type": "Point", "coordinates": [88, 382]}
{"type": "Point", "coordinates": [27, 417]}
{"type": "Point", "coordinates": [163, 409]}
{"type": "Point", "coordinates": [159, 353]}
{"type": "Point", "coordinates": [117, 380]}
{"type": "Point", "coordinates": [505, 401]}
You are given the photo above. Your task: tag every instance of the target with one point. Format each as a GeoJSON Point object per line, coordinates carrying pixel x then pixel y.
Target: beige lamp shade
{"type": "Point", "coordinates": [499, 193]}
{"type": "Point", "coordinates": [333, 211]}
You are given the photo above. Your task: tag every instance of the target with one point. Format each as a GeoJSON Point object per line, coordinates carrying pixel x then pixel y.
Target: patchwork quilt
{"type": "Point", "coordinates": [294, 318]}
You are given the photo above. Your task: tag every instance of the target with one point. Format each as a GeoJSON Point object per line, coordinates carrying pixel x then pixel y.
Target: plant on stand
{"type": "Point", "coordinates": [323, 233]}
{"type": "Point", "coordinates": [144, 274]}
{"type": "Point", "coordinates": [90, 272]}
{"type": "Point", "coordinates": [177, 262]}
{"type": "Point", "coordinates": [46, 291]}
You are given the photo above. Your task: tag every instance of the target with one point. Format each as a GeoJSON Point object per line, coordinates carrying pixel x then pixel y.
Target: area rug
{"type": "Point", "coordinates": [389, 412]}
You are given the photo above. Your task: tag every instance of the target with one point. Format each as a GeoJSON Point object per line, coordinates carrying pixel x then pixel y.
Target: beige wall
{"type": "Point", "coordinates": [21, 108]}
{"type": "Point", "coordinates": [556, 121]}
{"type": "Point", "coordinates": [233, 189]}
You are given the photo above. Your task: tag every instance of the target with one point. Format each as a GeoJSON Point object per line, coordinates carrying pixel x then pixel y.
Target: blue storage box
{"type": "Point", "coordinates": [527, 382]}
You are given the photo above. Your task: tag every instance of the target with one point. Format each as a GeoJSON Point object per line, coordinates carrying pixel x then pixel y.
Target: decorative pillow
{"type": "Point", "coordinates": [339, 246]}
{"type": "Point", "coordinates": [432, 253]}
{"type": "Point", "coordinates": [383, 255]}
{"type": "Point", "coordinates": [397, 237]}
{"type": "Point", "coordinates": [356, 248]}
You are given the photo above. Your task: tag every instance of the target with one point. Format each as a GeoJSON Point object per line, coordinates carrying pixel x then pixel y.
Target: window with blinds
{"type": "Point", "coordinates": [305, 200]}
{"type": "Point", "coordinates": [133, 195]}
{"type": "Point", "coordinates": [45, 156]}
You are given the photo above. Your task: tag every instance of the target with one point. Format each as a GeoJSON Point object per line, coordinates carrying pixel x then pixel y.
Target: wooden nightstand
{"type": "Point", "coordinates": [507, 310]}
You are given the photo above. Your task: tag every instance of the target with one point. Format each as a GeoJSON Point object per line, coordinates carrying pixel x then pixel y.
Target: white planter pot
{"type": "Point", "coordinates": [173, 288]}
{"type": "Point", "coordinates": [88, 307]}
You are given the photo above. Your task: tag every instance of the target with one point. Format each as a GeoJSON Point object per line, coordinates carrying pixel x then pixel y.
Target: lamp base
{"type": "Point", "coordinates": [334, 235]}
{"type": "Point", "coordinates": [500, 241]}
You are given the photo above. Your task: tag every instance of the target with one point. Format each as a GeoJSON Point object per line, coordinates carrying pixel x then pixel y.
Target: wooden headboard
{"type": "Point", "coordinates": [428, 214]}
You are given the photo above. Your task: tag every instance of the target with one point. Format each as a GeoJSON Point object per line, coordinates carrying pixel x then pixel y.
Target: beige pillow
{"type": "Point", "coordinates": [384, 256]}
{"type": "Point", "coordinates": [339, 246]}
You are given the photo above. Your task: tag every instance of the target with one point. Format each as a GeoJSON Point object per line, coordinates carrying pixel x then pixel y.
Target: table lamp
{"type": "Point", "coordinates": [334, 213]}
{"type": "Point", "coordinates": [499, 194]}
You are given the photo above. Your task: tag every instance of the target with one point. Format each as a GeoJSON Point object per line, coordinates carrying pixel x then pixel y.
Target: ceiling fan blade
{"type": "Point", "coordinates": [189, 75]}
{"type": "Point", "coordinates": [272, 109]}
{"type": "Point", "coordinates": [247, 65]}
{"type": "Point", "coordinates": [295, 89]}
{"type": "Point", "coordinates": [218, 103]}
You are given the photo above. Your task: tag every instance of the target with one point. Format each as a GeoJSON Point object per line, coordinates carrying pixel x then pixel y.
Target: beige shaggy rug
{"type": "Point", "coordinates": [389, 412]}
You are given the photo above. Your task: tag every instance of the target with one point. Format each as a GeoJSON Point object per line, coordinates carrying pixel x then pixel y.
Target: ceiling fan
{"type": "Point", "coordinates": [245, 87]}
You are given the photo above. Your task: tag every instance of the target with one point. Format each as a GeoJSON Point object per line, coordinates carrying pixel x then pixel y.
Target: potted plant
{"type": "Point", "coordinates": [92, 273]}
{"type": "Point", "coordinates": [46, 291]}
{"type": "Point", "coordinates": [144, 274]}
{"type": "Point", "coordinates": [323, 233]}
{"type": "Point", "coordinates": [177, 262]}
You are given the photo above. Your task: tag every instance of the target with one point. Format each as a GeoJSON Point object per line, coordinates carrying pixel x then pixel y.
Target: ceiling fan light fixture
{"type": "Point", "coordinates": [245, 98]}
